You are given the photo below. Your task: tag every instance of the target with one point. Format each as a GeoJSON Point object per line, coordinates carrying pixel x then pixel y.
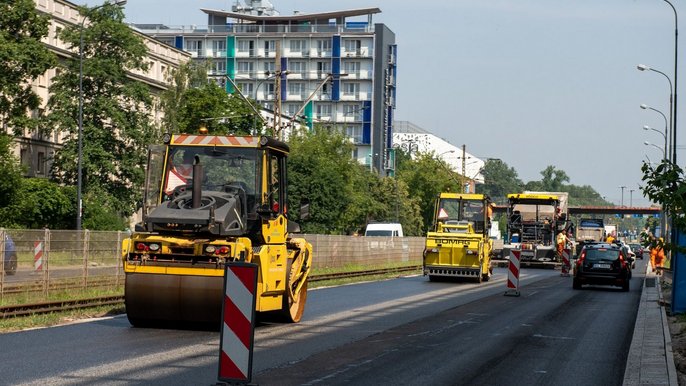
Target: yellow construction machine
{"type": "Point", "coordinates": [458, 244]}
{"type": "Point", "coordinates": [210, 200]}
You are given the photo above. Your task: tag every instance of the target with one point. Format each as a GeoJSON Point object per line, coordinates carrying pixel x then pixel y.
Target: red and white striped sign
{"type": "Point", "coordinates": [513, 273]}
{"type": "Point", "coordinates": [219, 140]}
{"type": "Point", "coordinates": [38, 256]}
{"type": "Point", "coordinates": [238, 327]}
{"type": "Point", "coordinates": [565, 262]}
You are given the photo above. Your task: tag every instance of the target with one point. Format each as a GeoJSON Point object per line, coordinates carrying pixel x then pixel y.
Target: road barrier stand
{"type": "Point", "coordinates": [238, 323]}
{"type": "Point", "coordinates": [513, 273]}
{"type": "Point", "coordinates": [565, 262]}
{"type": "Point", "coordinates": [38, 256]}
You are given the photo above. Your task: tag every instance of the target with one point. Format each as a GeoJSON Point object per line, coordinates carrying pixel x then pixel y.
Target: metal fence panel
{"type": "Point", "coordinates": [53, 261]}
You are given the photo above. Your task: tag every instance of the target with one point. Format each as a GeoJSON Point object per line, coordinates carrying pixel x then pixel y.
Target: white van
{"type": "Point", "coordinates": [384, 229]}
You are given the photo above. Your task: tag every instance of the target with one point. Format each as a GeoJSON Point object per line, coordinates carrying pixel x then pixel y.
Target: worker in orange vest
{"type": "Point", "coordinates": [657, 257]}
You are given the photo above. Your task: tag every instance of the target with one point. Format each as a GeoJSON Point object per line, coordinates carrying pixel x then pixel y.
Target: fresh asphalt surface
{"type": "Point", "coordinates": [401, 331]}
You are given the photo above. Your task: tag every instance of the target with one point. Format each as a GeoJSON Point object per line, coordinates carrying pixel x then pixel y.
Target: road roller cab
{"type": "Point", "coordinates": [210, 200]}
{"type": "Point", "coordinates": [459, 244]}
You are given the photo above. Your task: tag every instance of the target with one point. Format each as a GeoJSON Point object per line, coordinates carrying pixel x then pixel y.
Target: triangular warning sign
{"type": "Point", "coordinates": [442, 214]}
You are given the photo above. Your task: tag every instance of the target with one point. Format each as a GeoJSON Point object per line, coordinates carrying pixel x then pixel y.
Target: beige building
{"type": "Point", "coordinates": [35, 150]}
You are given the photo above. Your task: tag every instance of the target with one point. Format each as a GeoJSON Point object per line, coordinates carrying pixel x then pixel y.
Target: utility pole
{"type": "Point", "coordinates": [277, 91]}
{"type": "Point", "coordinates": [464, 167]}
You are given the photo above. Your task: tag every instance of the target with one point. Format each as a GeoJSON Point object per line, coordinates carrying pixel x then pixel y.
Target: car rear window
{"type": "Point", "coordinates": [602, 254]}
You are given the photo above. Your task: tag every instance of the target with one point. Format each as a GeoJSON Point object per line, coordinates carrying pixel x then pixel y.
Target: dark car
{"type": "Point", "coordinates": [638, 250]}
{"type": "Point", "coordinates": [10, 256]}
{"type": "Point", "coordinates": [602, 264]}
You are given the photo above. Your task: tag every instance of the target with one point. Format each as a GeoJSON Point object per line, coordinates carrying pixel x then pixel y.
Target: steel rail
{"type": "Point", "coordinates": [13, 311]}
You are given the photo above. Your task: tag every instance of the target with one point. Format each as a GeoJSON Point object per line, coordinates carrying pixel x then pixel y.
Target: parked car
{"type": "Point", "coordinates": [10, 256]}
{"type": "Point", "coordinates": [602, 264]}
{"type": "Point", "coordinates": [638, 250]}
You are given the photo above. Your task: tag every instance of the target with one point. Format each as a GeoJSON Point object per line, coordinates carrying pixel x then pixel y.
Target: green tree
{"type": "Point", "coordinates": [194, 101]}
{"type": "Point", "coordinates": [553, 179]}
{"type": "Point", "coordinates": [320, 169]}
{"type": "Point", "coordinates": [10, 183]}
{"type": "Point", "coordinates": [499, 180]}
{"type": "Point", "coordinates": [116, 122]}
{"type": "Point", "coordinates": [426, 177]}
{"type": "Point", "coordinates": [665, 184]}
{"type": "Point", "coordinates": [45, 204]}
{"type": "Point", "coordinates": [181, 79]}
{"type": "Point", "coordinates": [23, 57]}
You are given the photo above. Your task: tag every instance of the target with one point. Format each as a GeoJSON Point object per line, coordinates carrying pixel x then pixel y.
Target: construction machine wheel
{"type": "Point", "coordinates": [293, 306]}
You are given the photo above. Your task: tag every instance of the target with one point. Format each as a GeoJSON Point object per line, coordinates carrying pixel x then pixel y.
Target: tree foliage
{"type": "Point", "coordinates": [426, 176]}
{"type": "Point", "coordinates": [665, 184]}
{"type": "Point", "coordinates": [321, 170]}
{"type": "Point", "coordinates": [23, 57]}
{"type": "Point", "coordinates": [193, 101]}
{"type": "Point", "coordinates": [116, 122]}
{"type": "Point", "coordinates": [499, 180]}
{"type": "Point", "coordinates": [10, 183]}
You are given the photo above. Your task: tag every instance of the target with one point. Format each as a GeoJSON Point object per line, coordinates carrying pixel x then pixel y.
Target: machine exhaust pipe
{"type": "Point", "coordinates": [197, 183]}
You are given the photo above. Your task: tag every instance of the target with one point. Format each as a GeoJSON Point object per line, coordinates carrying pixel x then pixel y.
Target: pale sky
{"type": "Point", "coordinates": [532, 82]}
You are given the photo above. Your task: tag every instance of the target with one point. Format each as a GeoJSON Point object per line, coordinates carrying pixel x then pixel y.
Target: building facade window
{"type": "Point", "coordinates": [296, 89]}
{"type": "Point", "coordinates": [354, 132]}
{"type": "Point", "coordinates": [246, 68]}
{"type": "Point", "coordinates": [323, 68]}
{"type": "Point", "coordinates": [352, 68]}
{"type": "Point", "coordinates": [218, 67]}
{"type": "Point", "coordinates": [246, 46]}
{"type": "Point", "coordinates": [246, 88]}
{"type": "Point", "coordinates": [219, 48]}
{"type": "Point", "coordinates": [353, 46]}
{"type": "Point", "coordinates": [323, 110]}
{"type": "Point", "coordinates": [351, 89]}
{"type": "Point", "coordinates": [324, 47]}
{"type": "Point", "coordinates": [194, 46]}
{"type": "Point", "coordinates": [40, 167]}
{"type": "Point", "coordinates": [269, 47]}
{"type": "Point", "coordinates": [298, 46]}
{"type": "Point", "coordinates": [297, 67]}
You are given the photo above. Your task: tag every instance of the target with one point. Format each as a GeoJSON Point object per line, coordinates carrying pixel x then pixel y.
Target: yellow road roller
{"type": "Point", "coordinates": [210, 200]}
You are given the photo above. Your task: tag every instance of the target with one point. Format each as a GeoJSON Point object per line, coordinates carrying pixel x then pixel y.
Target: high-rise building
{"type": "Point", "coordinates": [335, 68]}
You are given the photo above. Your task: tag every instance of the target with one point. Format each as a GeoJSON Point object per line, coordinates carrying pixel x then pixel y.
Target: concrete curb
{"type": "Point", "coordinates": [669, 354]}
{"type": "Point", "coordinates": [650, 360]}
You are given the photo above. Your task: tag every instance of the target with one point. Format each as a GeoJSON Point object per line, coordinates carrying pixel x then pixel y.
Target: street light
{"type": "Point", "coordinates": [646, 127]}
{"type": "Point", "coordinates": [643, 67]}
{"type": "Point", "coordinates": [79, 178]}
{"type": "Point", "coordinates": [644, 106]}
{"type": "Point", "coordinates": [664, 153]}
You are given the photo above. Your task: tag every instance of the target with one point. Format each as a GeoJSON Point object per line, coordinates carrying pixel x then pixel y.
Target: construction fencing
{"type": "Point", "coordinates": [58, 261]}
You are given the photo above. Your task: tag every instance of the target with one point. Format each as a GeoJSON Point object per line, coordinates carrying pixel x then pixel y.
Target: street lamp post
{"type": "Point", "coordinates": [79, 177]}
{"type": "Point", "coordinates": [664, 153]}
{"type": "Point", "coordinates": [631, 198]}
{"type": "Point", "coordinates": [645, 127]}
{"type": "Point", "coordinates": [644, 107]}
{"type": "Point", "coordinates": [643, 67]}
{"type": "Point", "coordinates": [622, 187]}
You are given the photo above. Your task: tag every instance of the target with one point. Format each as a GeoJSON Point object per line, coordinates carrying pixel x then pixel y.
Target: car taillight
{"type": "Point", "coordinates": [581, 258]}
{"type": "Point", "coordinates": [141, 247]}
{"type": "Point", "coordinates": [621, 261]}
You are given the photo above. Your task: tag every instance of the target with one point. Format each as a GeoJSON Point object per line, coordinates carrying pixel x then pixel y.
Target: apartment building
{"type": "Point", "coordinates": [335, 68]}
{"type": "Point", "coordinates": [36, 150]}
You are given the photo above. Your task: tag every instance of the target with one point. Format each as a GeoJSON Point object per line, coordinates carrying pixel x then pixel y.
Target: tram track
{"type": "Point", "coordinates": [13, 311]}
